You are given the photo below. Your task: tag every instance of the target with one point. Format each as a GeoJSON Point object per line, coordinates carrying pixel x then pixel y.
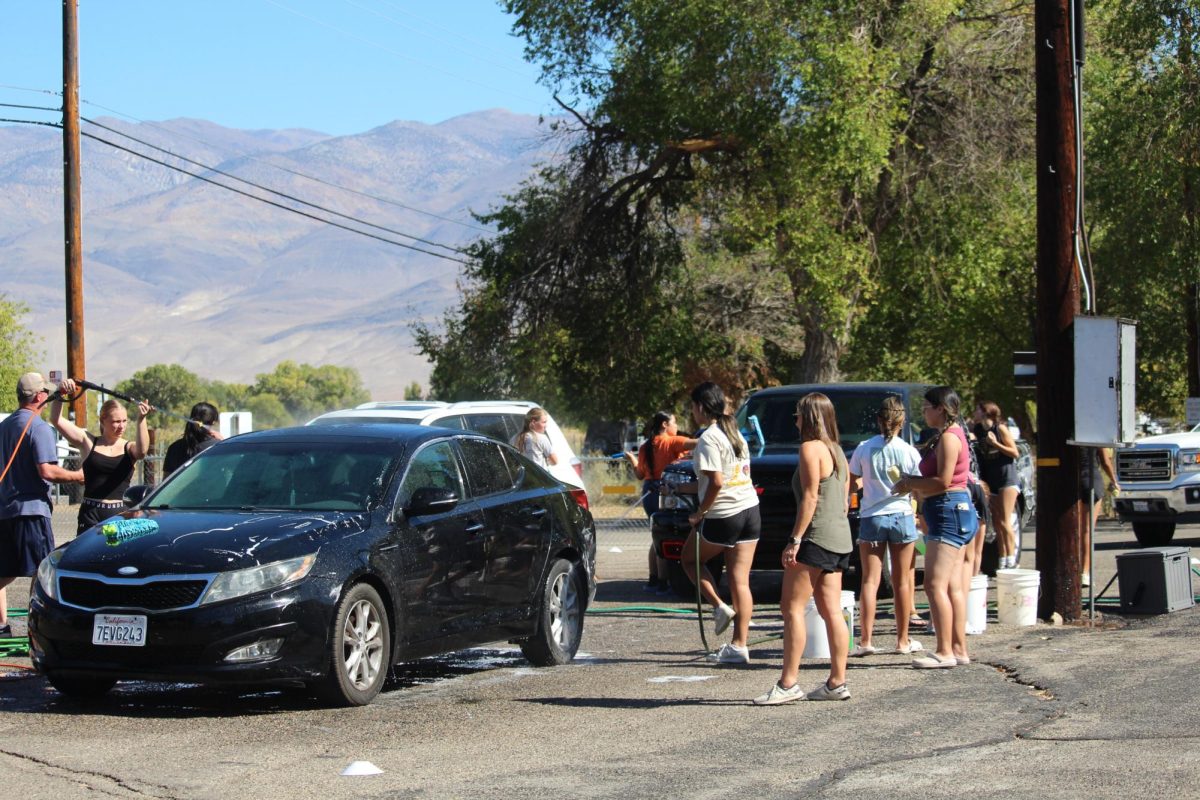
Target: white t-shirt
{"type": "Point", "coordinates": [871, 460]}
{"type": "Point", "coordinates": [714, 453]}
{"type": "Point", "coordinates": [534, 446]}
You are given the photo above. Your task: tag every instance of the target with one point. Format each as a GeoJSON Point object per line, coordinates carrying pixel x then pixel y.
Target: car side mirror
{"type": "Point", "coordinates": [430, 500]}
{"type": "Point", "coordinates": [135, 494]}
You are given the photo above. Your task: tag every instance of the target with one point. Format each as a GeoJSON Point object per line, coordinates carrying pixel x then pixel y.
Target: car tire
{"type": "Point", "coordinates": [560, 618]}
{"type": "Point", "coordinates": [682, 585]}
{"type": "Point", "coordinates": [360, 649]}
{"type": "Point", "coordinates": [1154, 534]}
{"type": "Point", "coordinates": [81, 688]}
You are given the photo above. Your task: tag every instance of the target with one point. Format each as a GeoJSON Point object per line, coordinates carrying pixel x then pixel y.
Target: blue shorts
{"type": "Point", "coordinates": [24, 542]}
{"type": "Point", "coordinates": [894, 528]}
{"type": "Point", "coordinates": [950, 518]}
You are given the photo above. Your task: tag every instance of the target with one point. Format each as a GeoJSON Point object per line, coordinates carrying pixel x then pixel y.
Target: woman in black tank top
{"type": "Point", "coordinates": [108, 459]}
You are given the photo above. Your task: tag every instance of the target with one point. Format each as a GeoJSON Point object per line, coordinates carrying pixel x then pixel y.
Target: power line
{"type": "Point", "coordinates": [35, 108]}
{"type": "Point", "coordinates": [293, 198]}
{"type": "Point", "coordinates": [298, 174]}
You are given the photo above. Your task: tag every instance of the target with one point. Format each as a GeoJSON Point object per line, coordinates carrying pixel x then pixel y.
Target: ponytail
{"type": "Point", "coordinates": [711, 400]}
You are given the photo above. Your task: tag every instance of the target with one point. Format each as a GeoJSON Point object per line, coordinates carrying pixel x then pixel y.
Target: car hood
{"type": "Point", "coordinates": [1185, 439]}
{"type": "Point", "coordinates": [195, 541]}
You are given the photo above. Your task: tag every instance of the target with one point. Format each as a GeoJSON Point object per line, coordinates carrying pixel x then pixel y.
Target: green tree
{"type": "Point", "coordinates": [740, 190]}
{"type": "Point", "coordinates": [166, 386]}
{"type": "Point", "coordinates": [18, 348]}
{"type": "Point", "coordinates": [413, 391]}
{"type": "Point", "coordinates": [306, 391]}
{"type": "Point", "coordinates": [1144, 180]}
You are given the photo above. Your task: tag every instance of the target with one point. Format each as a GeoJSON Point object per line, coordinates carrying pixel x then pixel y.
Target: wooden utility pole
{"type": "Point", "coordinates": [1059, 511]}
{"type": "Point", "coordinates": [72, 203]}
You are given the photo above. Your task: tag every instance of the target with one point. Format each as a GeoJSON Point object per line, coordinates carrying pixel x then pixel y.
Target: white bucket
{"type": "Point", "coordinates": [816, 640]}
{"type": "Point", "coordinates": [977, 605]}
{"type": "Point", "coordinates": [1017, 595]}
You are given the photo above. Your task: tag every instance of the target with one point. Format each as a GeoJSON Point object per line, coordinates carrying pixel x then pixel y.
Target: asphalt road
{"type": "Point", "coordinates": [1067, 711]}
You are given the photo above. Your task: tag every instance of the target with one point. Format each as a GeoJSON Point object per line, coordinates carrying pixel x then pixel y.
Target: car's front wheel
{"type": "Point", "coordinates": [560, 619]}
{"type": "Point", "coordinates": [1154, 534]}
{"type": "Point", "coordinates": [360, 649]}
{"type": "Point", "coordinates": [80, 688]}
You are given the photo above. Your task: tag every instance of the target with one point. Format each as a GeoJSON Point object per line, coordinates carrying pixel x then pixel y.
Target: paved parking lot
{"type": "Point", "coordinates": [1070, 711]}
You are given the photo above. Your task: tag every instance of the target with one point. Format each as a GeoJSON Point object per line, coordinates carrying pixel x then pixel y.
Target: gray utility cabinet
{"type": "Point", "coordinates": [1155, 580]}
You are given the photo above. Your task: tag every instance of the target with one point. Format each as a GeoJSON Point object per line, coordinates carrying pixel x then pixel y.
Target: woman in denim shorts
{"type": "Point", "coordinates": [886, 523]}
{"type": "Point", "coordinates": [950, 522]}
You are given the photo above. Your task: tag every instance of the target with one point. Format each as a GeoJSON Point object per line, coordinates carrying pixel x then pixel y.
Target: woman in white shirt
{"type": "Point", "coordinates": [726, 521]}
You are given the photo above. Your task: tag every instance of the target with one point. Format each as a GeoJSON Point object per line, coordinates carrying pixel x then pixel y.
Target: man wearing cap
{"type": "Point", "coordinates": [29, 461]}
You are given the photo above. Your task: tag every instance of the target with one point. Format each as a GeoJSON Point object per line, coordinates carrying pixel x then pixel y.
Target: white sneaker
{"type": "Point", "coordinates": [779, 695]}
{"type": "Point", "coordinates": [863, 650]}
{"type": "Point", "coordinates": [722, 616]}
{"type": "Point", "coordinates": [913, 646]}
{"type": "Point", "coordinates": [730, 654]}
{"type": "Point", "coordinates": [823, 692]}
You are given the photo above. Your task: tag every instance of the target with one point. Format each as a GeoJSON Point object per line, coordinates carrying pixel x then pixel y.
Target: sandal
{"type": "Point", "coordinates": [917, 621]}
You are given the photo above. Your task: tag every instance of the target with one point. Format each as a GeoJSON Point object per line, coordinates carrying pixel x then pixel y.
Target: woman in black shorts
{"type": "Point", "coordinates": [997, 466]}
{"type": "Point", "coordinates": [816, 556]}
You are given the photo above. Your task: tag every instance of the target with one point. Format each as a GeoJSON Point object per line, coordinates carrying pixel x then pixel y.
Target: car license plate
{"type": "Point", "coordinates": [1141, 505]}
{"type": "Point", "coordinates": [119, 630]}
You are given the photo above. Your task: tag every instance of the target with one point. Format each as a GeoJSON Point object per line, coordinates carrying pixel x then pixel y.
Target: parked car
{"type": "Point", "coordinates": [500, 419]}
{"type": "Point", "coordinates": [318, 556]}
{"type": "Point", "coordinates": [1160, 485]}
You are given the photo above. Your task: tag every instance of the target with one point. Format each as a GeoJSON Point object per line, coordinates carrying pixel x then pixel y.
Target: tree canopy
{"type": "Point", "coordinates": [19, 351]}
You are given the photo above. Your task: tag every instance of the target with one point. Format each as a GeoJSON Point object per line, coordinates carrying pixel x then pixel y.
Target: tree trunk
{"type": "Point", "coordinates": [822, 353]}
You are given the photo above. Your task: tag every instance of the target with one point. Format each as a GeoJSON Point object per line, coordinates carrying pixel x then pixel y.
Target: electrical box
{"type": "Point", "coordinates": [1156, 580]}
{"type": "Point", "coordinates": [1105, 372]}
{"type": "Point", "coordinates": [235, 422]}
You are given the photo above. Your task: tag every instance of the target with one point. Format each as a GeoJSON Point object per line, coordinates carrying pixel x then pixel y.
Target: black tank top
{"type": "Point", "coordinates": [107, 477]}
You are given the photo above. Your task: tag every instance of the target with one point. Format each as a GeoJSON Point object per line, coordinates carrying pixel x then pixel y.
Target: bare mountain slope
{"type": "Point", "coordinates": [179, 271]}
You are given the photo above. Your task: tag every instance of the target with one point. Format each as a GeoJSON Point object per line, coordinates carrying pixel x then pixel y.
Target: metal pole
{"type": "Point", "coordinates": [1091, 519]}
{"type": "Point", "coordinates": [1058, 547]}
{"type": "Point", "coordinates": [72, 203]}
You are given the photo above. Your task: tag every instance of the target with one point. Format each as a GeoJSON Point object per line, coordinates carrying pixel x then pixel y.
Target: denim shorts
{"type": "Point", "coordinates": [950, 518]}
{"type": "Point", "coordinates": [894, 528]}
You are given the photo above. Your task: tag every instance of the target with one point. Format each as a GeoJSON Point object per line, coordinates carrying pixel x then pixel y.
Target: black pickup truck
{"type": "Point", "coordinates": [766, 420]}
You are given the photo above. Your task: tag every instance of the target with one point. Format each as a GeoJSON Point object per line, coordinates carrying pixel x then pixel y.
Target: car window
{"type": "Point", "coordinates": [492, 426]}
{"type": "Point", "coordinates": [284, 476]}
{"type": "Point", "coordinates": [855, 411]}
{"type": "Point", "coordinates": [524, 472]}
{"type": "Point", "coordinates": [487, 471]}
{"type": "Point", "coordinates": [434, 466]}
{"type": "Point", "coordinates": [455, 421]}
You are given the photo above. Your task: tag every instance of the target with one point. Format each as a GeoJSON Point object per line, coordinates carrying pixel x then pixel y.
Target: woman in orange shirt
{"type": "Point", "coordinates": [663, 445]}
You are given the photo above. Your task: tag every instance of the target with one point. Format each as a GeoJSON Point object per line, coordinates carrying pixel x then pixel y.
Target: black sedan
{"type": "Point", "coordinates": [319, 556]}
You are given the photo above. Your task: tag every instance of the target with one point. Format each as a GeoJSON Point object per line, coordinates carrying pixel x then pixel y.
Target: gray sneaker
{"type": "Point", "coordinates": [779, 695]}
{"type": "Point", "coordinates": [722, 616]}
{"type": "Point", "coordinates": [823, 692]}
{"type": "Point", "coordinates": [730, 654]}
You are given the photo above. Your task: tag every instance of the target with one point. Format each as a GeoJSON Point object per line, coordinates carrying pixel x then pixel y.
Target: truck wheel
{"type": "Point", "coordinates": [1154, 534]}
{"type": "Point", "coordinates": [682, 585]}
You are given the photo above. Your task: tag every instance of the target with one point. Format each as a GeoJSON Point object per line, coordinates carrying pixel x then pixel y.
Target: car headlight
{"type": "Point", "coordinates": [47, 574]}
{"type": "Point", "coordinates": [257, 579]}
{"type": "Point", "coordinates": [1187, 461]}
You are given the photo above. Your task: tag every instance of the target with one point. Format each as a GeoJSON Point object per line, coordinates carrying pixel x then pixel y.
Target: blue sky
{"type": "Point", "coordinates": [337, 66]}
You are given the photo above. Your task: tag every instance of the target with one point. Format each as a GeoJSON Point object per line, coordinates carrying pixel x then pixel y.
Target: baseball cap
{"type": "Point", "coordinates": [31, 383]}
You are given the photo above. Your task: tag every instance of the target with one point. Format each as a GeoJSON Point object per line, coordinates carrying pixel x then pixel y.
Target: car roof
{"type": "Point", "coordinates": [422, 410]}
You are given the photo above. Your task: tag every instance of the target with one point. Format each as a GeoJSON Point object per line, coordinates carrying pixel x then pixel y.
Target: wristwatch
{"type": "Point", "coordinates": [796, 540]}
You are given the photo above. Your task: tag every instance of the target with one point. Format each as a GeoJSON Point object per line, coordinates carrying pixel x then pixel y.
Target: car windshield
{"type": "Point", "coordinates": [346, 475]}
{"type": "Point", "coordinates": [775, 414]}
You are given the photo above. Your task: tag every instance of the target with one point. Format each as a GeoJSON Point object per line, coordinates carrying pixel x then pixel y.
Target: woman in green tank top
{"type": "Point", "coordinates": [818, 553]}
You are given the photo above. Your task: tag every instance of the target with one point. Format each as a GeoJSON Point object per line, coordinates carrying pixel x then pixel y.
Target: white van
{"type": "Point", "coordinates": [500, 419]}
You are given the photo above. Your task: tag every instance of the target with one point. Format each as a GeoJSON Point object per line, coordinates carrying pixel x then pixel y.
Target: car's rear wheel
{"type": "Point", "coordinates": [81, 688]}
{"type": "Point", "coordinates": [360, 649]}
{"type": "Point", "coordinates": [1154, 534]}
{"type": "Point", "coordinates": [560, 619]}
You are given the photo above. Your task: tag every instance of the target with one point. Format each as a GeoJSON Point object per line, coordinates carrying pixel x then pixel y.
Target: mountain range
{"type": "Point", "coordinates": [179, 271]}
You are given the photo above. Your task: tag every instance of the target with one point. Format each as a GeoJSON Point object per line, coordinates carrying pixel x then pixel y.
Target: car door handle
{"type": "Point", "coordinates": [536, 512]}
{"type": "Point", "coordinates": [386, 547]}
{"type": "Point", "coordinates": [476, 528]}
